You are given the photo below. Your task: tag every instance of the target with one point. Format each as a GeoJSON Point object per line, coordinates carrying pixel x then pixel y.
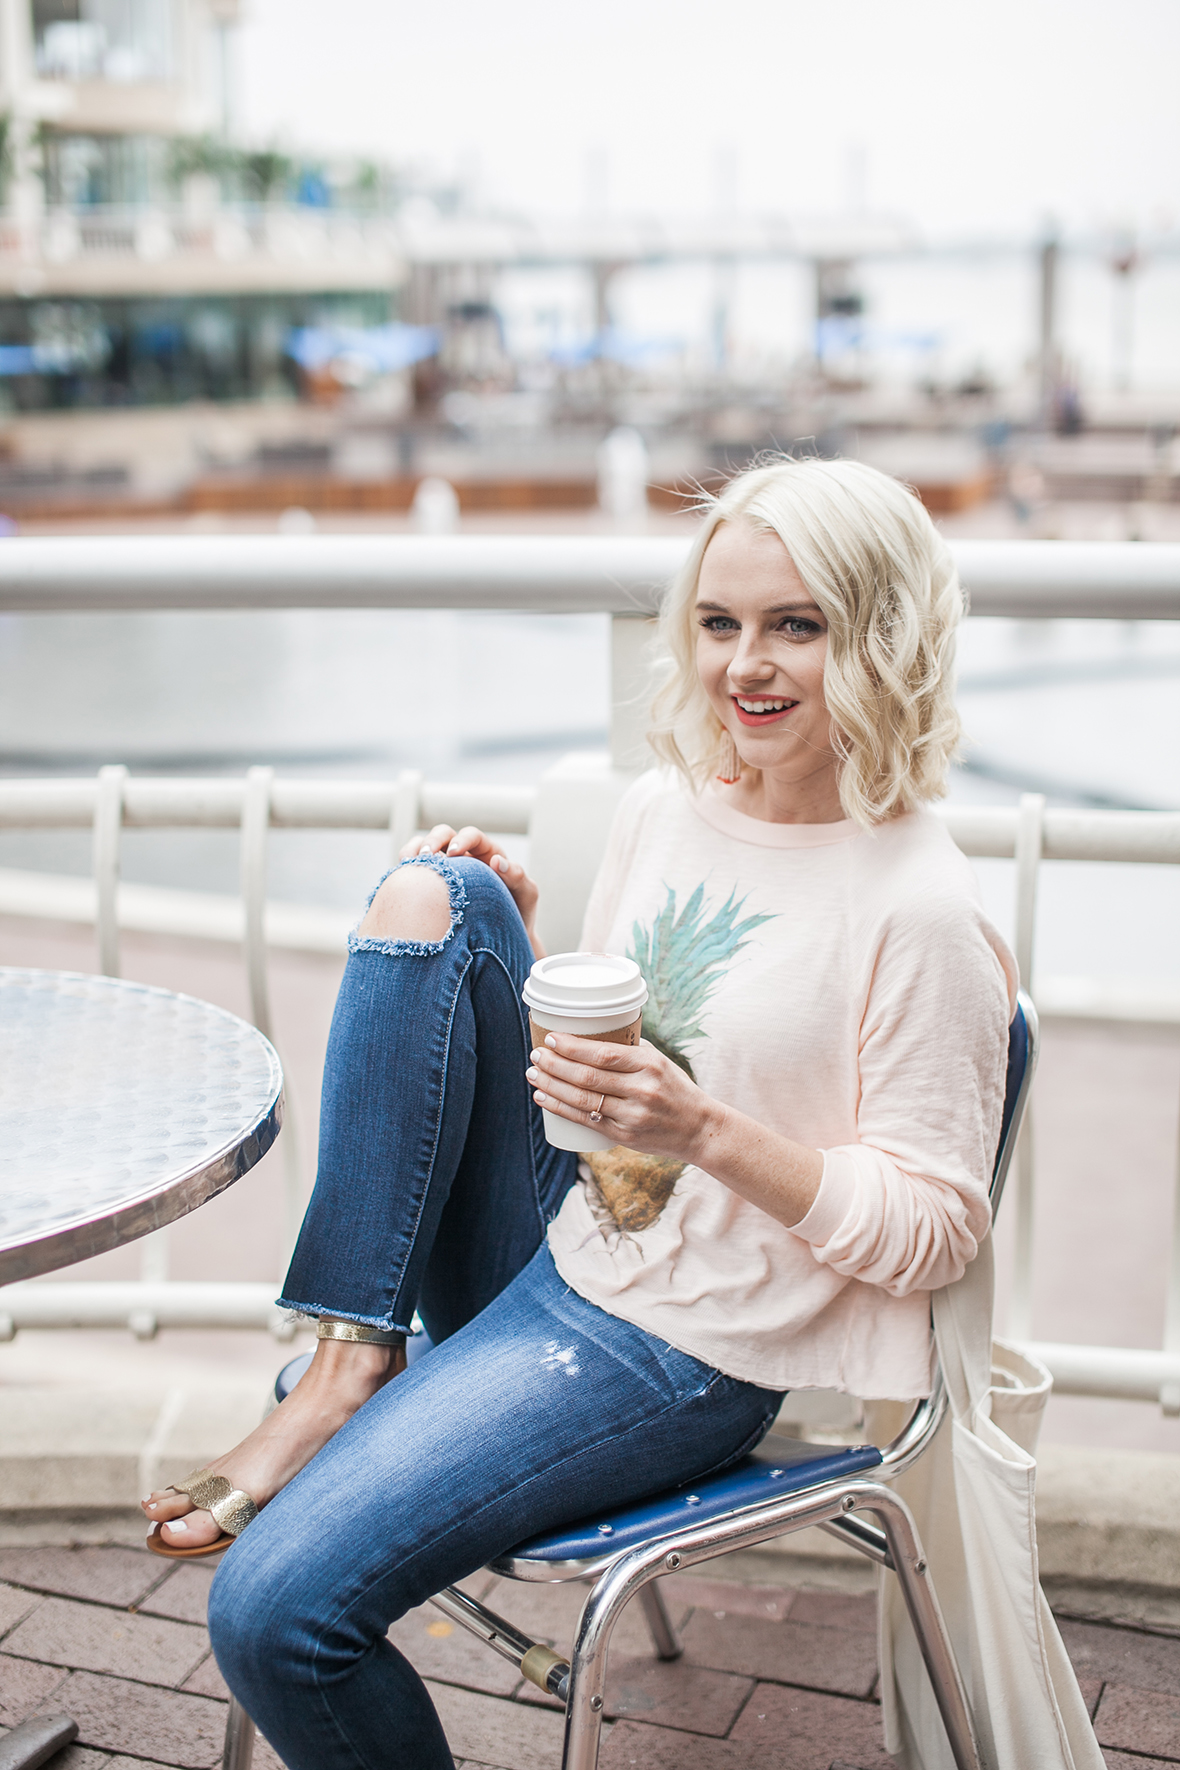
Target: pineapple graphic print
{"type": "Point", "coordinates": [683, 958]}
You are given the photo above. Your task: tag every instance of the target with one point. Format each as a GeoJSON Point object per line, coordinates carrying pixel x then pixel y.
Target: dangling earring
{"type": "Point", "coordinates": [730, 770]}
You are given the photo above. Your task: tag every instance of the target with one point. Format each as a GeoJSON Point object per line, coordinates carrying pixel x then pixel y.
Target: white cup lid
{"type": "Point", "coordinates": [585, 983]}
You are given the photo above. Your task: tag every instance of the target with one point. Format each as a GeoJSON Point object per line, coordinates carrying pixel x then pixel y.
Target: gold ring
{"type": "Point", "coordinates": [596, 1117]}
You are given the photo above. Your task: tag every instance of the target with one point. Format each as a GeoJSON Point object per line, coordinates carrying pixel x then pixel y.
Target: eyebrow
{"type": "Point", "coordinates": [779, 608]}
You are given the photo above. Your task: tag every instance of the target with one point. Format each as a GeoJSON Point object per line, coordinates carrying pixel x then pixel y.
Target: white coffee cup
{"type": "Point", "coordinates": [596, 996]}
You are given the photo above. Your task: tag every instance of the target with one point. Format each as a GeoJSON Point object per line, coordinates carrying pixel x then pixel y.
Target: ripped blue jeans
{"type": "Point", "coordinates": [535, 1407]}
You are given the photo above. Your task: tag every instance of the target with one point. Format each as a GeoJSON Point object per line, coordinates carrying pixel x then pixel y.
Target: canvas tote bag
{"type": "Point", "coordinates": [972, 1496]}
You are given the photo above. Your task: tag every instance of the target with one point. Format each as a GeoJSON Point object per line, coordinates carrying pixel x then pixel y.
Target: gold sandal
{"type": "Point", "coordinates": [231, 1508]}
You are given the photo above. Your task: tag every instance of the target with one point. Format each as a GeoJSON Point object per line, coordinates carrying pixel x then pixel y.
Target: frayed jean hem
{"type": "Point", "coordinates": [313, 1312]}
{"type": "Point", "coordinates": [415, 949]}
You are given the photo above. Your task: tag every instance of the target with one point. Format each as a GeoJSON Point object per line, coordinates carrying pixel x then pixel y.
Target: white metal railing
{"type": "Point", "coordinates": [565, 817]}
{"type": "Point", "coordinates": [557, 574]}
{"type": "Point", "coordinates": [114, 801]}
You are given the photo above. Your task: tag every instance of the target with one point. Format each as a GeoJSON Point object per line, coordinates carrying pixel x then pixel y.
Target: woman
{"type": "Point", "coordinates": [803, 1137]}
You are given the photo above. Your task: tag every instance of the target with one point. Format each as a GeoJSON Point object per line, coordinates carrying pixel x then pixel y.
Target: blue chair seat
{"type": "Point", "coordinates": [778, 1467]}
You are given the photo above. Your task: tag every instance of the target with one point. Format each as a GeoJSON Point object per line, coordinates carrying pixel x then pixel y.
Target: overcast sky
{"type": "Point", "coordinates": [966, 114]}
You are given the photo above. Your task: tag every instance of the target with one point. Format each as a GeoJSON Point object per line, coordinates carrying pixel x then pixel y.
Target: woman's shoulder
{"type": "Point", "coordinates": [917, 894]}
{"type": "Point", "coordinates": [912, 876]}
{"type": "Point", "coordinates": [916, 852]}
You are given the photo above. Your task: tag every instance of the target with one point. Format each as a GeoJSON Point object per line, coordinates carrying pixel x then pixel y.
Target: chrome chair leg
{"type": "Point", "coordinates": [909, 1563]}
{"type": "Point", "coordinates": [635, 1570]}
{"type": "Point", "coordinates": [664, 1636]}
{"type": "Point", "coordinates": [239, 1738]}
{"type": "Point", "coordinates": [587, 1677]}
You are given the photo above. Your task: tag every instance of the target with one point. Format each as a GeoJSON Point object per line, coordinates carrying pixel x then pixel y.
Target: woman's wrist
{"type": "Point", "coordinates": [708, 1139]}
{"type": "Point", "coordinates": [778, 1175]}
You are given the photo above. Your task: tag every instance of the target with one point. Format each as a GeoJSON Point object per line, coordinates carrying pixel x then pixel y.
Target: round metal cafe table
{"type": "Point", "coordinates": [122, 1107]}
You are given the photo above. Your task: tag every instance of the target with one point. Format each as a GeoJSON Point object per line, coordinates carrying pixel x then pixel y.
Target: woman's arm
{"type": "Point", "coordinates": [904, 1204]}
{"type": "Point", "coordinates": [473, 844]}
{"type": "Point", "coordinates": [652, 1106]}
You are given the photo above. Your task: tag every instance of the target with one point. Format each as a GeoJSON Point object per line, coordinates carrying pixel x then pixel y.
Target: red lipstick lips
{"type": "Point", "coordinates": [761, 718]}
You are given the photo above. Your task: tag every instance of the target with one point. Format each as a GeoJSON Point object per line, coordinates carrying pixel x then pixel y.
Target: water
{"type": "Point", "coordinates": [1086, 711]}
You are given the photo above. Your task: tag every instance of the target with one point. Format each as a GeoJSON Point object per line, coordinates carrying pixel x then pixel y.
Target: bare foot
{"type": "Point", "coordinates": [342, 1376]}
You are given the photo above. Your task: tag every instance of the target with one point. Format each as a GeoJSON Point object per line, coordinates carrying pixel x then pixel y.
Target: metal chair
{"type": "Point", "coordinates": [784, 1486]}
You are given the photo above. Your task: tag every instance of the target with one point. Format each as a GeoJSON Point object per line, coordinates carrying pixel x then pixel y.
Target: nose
{"type": "Point", "coordinates": [751, 662]}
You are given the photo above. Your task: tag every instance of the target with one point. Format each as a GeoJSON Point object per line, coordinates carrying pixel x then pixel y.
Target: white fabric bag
{"type": "Point", "coordinates": [972, 1496]}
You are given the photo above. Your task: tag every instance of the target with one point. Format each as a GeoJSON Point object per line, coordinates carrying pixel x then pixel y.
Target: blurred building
{"type": "Point", "coordinates": [144, 258]}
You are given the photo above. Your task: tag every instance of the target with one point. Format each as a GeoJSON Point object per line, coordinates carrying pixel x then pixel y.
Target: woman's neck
{"type": "Point", "coordinates": [814, 799]}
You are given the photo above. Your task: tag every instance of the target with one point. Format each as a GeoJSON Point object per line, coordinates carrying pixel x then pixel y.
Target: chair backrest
{"type": "Point", "coordinates": [1024, 1041]}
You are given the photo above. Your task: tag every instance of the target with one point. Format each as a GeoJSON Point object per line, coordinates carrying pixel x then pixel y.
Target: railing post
{"type": "Point", "coordinates": [108, 836]}
{"type": "Point", "coordinates": [1030, 842]}
{"type": "Point", "coordinates": [1170, 1392]}
{"type": "Point", "coordinates": [255, 829]}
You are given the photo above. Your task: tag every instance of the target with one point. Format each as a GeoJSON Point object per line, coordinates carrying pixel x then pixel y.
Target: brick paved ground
{"type": "Point", "coordinates": [772, 1676]}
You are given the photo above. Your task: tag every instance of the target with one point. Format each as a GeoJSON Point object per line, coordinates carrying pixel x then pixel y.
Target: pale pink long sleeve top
{"type": "Point", "coordinates": [845, 988]}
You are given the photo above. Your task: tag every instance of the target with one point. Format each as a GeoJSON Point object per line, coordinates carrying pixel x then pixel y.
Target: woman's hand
{"type": "Point", "coordinates": [473, 844]}
{"type": "Point", "coordinates": [647, 1102]}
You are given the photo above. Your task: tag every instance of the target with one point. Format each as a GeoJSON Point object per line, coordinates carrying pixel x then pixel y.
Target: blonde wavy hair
{"type": "Point", "coordinates": [876, 565]}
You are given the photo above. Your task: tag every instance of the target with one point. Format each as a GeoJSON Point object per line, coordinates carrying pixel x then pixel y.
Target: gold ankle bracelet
{"type": "Point", "coordinates": [328, 1329]}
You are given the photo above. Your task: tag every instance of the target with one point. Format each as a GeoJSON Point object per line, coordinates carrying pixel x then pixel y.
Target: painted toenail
{"type": "Point", "coordinates": [178, 1524]}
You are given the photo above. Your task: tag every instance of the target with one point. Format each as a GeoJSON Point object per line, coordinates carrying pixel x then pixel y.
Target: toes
{"type": "Point", "coordinates": [192, 1532]}
{"type": "Point", "coordinates": [166, 1503]}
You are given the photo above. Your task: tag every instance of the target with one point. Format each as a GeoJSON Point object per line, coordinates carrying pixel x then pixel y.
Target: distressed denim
{"type": "Point", "coordinates": [435, 1181]}
{"type": "Point", "coordinates": [535, 1407]}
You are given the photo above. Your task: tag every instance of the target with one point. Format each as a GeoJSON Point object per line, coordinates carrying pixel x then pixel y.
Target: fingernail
{"type": "Point", "coordinates": [530, 1075]}
{"type": "Point", "coordinates": [551, 1041]}
{"type": "Point", "coordinates": [540, 1099]}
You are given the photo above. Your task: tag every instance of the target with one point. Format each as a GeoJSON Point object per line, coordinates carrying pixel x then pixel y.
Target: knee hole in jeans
{"type": "Point", "coordinates": [412, 904]}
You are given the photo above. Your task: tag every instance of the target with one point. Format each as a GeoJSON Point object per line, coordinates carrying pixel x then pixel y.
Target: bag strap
{"type": "Point", "coordinates": [963, 1333]}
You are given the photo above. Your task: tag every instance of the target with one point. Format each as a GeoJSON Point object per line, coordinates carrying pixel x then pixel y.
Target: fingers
{"type": "Point", "coordinates": [560, 1096]}
{"type": "Point", "coordinates": [625, 1078]}
{"type": "Point", "coordinates": [563, 1054]}
{"type": "Point", "coordinates": [433, 843]}
{"type": "Point", "coordinates": [473, 842]}
{"type": "Point", "coordinates": [570, 1079]}
{"type": "Point", "coordinates": [444, 839]}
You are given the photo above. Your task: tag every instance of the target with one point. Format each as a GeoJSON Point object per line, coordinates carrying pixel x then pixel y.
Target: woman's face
{"type": "Point", "coordinates": [761, 646]}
